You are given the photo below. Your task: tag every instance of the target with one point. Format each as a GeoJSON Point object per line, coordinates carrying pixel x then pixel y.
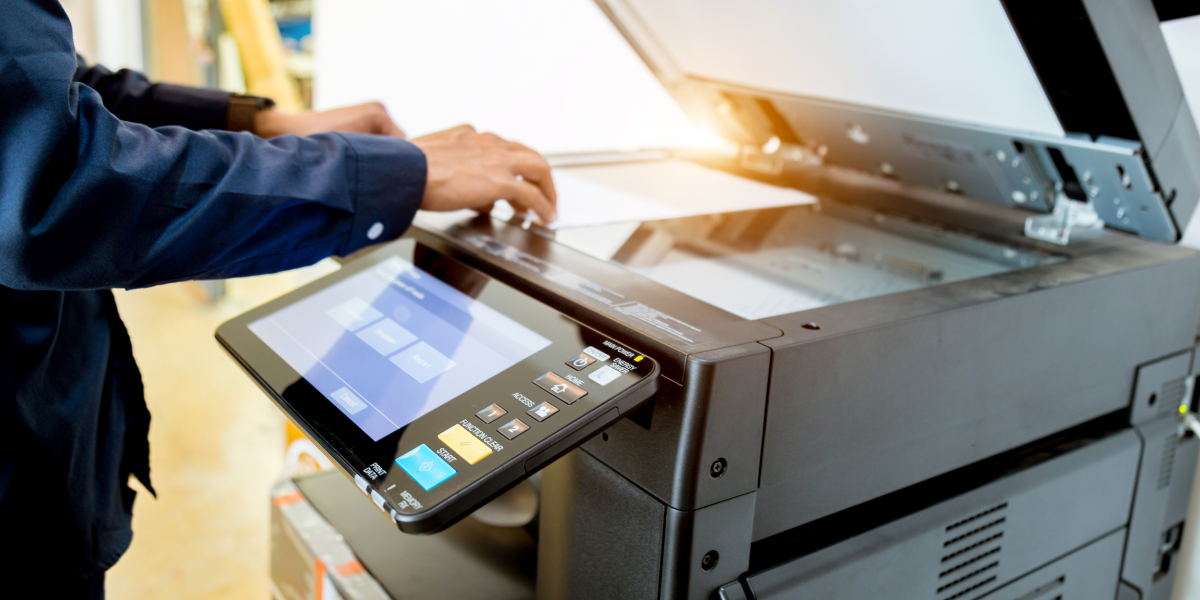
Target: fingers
{"type": "Point", "coordinates": [530, 166]}
{"type": "Point", "coordinates": [467, 169]}
{"type": "Point", "coordinates": [526, 196]}
{"type": "Point", "coordinates": [389, 127]}
{"type": "Point", "coordinates": [385, 126]}
{"type": "Point", "coordinates": [377, 120]}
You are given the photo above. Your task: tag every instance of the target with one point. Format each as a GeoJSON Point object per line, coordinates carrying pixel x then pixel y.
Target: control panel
{"type": "Point", "coordinates": [435, 386]}
{"type": "Point", "coordinates": [493, 436]}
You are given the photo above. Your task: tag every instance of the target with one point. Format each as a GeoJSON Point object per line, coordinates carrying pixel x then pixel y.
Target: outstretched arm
{"type": "Point", "coordinates": [88, 200]}
{"type": "Point", "coordinates": [131, 97]}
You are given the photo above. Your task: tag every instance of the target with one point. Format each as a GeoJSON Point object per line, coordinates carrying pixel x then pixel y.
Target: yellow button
{"type": "Point", "coordinates": [464, 444]}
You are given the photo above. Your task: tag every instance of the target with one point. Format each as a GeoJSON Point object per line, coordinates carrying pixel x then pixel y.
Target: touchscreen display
{"type": "Point", "coordinates": [393, 342]}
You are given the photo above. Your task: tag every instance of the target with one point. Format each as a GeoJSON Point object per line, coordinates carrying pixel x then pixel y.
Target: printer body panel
{"type": "Point", "coordinates": [703, 442]}
{"type": "Point", "coordinates": [599, 535]}
{"type": "Point", "coordinates": [933, 388]}
{"type": "Point", "coordinates": [980, 540]}
{"type": "Point", "coordinates": [1157, 522]}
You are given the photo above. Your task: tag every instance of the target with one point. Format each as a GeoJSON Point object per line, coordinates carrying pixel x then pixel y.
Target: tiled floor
{"type": "Point", "coordinates": [217, 446]}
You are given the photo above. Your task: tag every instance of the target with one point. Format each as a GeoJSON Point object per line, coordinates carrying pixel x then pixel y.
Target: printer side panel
{"type": "Point", "coordinates": [702, 442]}
{"type": "Point", "coordinates": [1165, 476]}
{"type": "Point", "coordinates": [1157, 521]}
{"type": "Point", "coordinates": [1056, 529]}
{"type": "Point", "coordinates": [599, 536]}
{"type": "Point", "coordinates": [602, 537]}
{"type": "Point", "coordinates": [858, 415]}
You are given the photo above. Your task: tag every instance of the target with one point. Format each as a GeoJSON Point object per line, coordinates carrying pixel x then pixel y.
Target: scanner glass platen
{"type": "Point", "coordinates": [762, 263]}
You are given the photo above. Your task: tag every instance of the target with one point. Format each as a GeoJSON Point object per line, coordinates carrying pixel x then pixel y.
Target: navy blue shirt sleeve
{"type": "Point", "coordinates": [131, 97]}
{"type": "Point", "coordinates": [88, 201]}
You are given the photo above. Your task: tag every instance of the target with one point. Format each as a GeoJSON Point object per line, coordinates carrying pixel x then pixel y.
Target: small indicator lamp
{"type": "Point", "coordinates": [638, 359]}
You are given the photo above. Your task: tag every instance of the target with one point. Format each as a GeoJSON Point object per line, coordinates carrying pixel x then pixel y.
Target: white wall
{"type": "Point", "coordinates": [108, 32]}
{"type": "Point", "coordinates": [554, 74]}
{"type": "Point", "coordinates": [1183, 39]}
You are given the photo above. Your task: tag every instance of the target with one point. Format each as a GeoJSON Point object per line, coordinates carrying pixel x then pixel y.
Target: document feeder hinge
{"type": "Point", "coordinates": [1077, 183]}
{"type": "Point", "coordinates": [771, 157]}
{"type": "Point", "coordinates": [1071, 219]}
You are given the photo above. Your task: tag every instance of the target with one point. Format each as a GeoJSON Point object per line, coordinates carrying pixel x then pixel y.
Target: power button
{"type": "Point", "coordinates": [581, 362]}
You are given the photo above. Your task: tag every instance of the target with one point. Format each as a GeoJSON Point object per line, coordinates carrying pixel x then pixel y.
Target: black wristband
{"type": "Point", "coordinates": [242, 110]}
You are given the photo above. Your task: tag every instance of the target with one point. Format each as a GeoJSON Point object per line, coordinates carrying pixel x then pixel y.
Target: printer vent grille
{"type": "Point", "coordinates": [970, 561]}
{"type": "Point", "coordinates": [1167, 465]}
{"type": "Point", "coordinates": [1171, 395]}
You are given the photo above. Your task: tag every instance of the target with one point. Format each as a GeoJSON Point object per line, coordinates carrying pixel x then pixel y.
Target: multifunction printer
{"type": "Point", "coordinates": [965, 371]}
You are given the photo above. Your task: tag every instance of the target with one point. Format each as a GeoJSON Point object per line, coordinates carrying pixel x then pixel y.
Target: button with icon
{"type": "Point", "coordinates": [513, 428]}
{"type": "Point", "coordinates": [604, 375]}
{"type": "Point", "coordinates": [426, 467]}
{"type": "Point", "coordinates": [558, 386]}
{"type": "Point", "coordinates": [542, 411]}
{"type": "Point", "coordinates": [581, 362]}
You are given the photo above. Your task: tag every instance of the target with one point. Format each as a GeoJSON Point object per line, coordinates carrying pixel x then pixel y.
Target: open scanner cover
{"type": "Point", "coordinates": [1019, 103]}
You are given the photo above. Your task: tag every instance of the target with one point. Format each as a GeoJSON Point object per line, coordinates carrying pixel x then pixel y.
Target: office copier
{"type": "Point", "coordinates": [965, 372]}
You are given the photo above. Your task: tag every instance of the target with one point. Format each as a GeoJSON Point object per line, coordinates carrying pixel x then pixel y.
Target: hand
{"type": "Point", "coordinates": [472, 170]}
{"type": "Point", "coordinates": [364, 118]}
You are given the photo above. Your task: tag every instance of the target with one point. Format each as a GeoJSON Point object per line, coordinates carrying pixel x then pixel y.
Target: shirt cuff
{"type": "Point", "coordinates": [389, 183]}
{"type": "Point", "coordinates": [193, 108]}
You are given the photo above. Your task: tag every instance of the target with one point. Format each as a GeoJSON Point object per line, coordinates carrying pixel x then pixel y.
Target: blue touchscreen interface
{"type": "Point", "coordinates": [393, 342]}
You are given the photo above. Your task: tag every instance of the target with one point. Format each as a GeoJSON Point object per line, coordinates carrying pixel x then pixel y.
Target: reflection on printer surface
{"type": "Point", "coordinates": [763, 263]}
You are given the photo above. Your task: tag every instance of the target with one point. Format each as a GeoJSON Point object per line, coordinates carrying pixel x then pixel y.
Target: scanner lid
{"type": "Point", "coordinates": [1020, 103]}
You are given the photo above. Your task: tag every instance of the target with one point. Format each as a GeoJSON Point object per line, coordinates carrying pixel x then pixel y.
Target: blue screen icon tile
{"type": "Point", "coordinates": [386, 336]}
{"type": "Point", "coordinates": [422, 362]}
{"type": "Point", "coordinates": [426, 467]}
{"type": "Point", "coordinates": [353, 314]}
{"type": "Point", "coordinates": [349, 400]}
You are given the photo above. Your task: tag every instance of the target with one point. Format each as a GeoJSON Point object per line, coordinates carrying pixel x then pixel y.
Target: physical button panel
{"type": "Point", "coordinates": [472, 445]}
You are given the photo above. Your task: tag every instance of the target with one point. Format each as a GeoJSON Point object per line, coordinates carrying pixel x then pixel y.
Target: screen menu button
{"type": "Point", "coordinates": [353, 314]}
{"type": "Point", "coordinates": [349, 400]}
{"type": "Point", "coordinates": [386, 336]}
{"type": "Point", "coordinates": [422, 362]}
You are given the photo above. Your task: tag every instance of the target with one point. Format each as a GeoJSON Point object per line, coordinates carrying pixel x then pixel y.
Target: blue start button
{"type": "Point", "coordinates": [426, 467]}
